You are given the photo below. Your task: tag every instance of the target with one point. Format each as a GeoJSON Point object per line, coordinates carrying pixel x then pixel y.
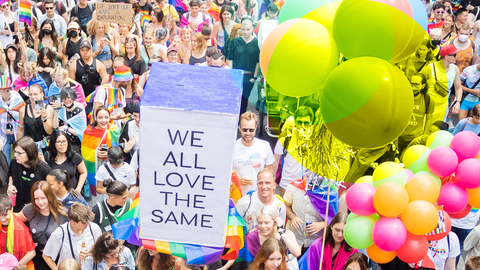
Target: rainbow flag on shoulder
{"type": "Point", "coordinates": [25, 12]}
{"type": "Point", "coordinates": [93, 139]}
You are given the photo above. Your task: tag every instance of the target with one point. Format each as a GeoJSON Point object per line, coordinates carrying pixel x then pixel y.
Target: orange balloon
{"type": "Point", "coordinates": [420, 217]}
{"type": "Point", "coordinates": [390, 199]}
{"type": "Point", "coordinates": [474, 197]}
{"type": "Point", "coordinates": [380, 256]}
{"type": "Point", "coordinates": [423, 187]}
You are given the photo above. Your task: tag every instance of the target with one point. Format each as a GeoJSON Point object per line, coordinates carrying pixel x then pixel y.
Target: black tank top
{"type": "Point", "coordinates": [73, 48]}
{"type": "Point", "coordinates": [90, 73]}
{"type": "Point", "coordinates": [193, 60]}
{"type": "Point", "coordinates": [33, 126]}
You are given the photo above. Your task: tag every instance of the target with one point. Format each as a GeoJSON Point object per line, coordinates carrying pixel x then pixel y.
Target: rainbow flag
{"type": "Point", "coordinates": [144, 12]}
{"type": "Point", "coordinates": [25, 12]}
{"type": "Point", "coordinates": [145, 19]}
{"type": "Point", "coordinates": [114, 98]}
{"type": "Point", "coordinates": [127, 228]}
{"type": "Point", "coordinates": [93, 138]}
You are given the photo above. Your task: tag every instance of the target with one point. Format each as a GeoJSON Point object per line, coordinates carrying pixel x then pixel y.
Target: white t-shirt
{"type": "Point", "coordinates": [248, 161]}
{"type": "Point", "coordinates": [55, 248]}
{"type": "Point", "coordinates": [468, 222]}
{"type": "Point", "coordinates": [101, 97]}
{"type": "Point", "coordinates": [124, 174]}
{"type": "Point", "coordinates": [439, 251]}
{"type": "Point", "coordinates": [134, 131]}
{"type": "Point", "coordinates": [248, 212]}
{"type": "Point", "coordinates": [292, 170]}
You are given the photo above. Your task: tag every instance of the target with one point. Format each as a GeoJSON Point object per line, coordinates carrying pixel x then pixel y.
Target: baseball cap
{"type": "Point", "coordinates": [73, 25]}
{"type": "Point", "coordinates": [8, 261]}
{"type": "Point", "coordinates": [172, 48]}
{"type": "Point", "coordinates": [85, 43]}
{"type": "Point", "coordinates": [448, 50]}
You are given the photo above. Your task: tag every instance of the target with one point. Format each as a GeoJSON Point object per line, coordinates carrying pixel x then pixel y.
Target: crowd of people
{"type": "Point", "coordinates": [69, 116]}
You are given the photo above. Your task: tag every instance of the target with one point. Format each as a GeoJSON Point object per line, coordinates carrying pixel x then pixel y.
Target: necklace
{"type": "Point", "coordinates": [460, 46]}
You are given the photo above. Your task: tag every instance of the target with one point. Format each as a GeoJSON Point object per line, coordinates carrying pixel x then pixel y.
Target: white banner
{"type": "Point", "coordinates": [185, 171]}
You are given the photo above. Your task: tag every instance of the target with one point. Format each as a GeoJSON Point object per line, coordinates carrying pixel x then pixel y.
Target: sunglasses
{"type": "Point", "coordinates": [439, 11]}
{"type": "Point", "coordinates": [454, 55]}
{"type": "Point", "coordinates": [6, 6]}
{"type": "Point", "coordinates": [49, 8]}
{"type": "Point", "coordinates": [251, 130]}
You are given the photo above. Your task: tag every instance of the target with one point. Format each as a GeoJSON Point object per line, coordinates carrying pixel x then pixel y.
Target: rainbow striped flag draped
{"type": "Point", "coordinates": [25, 12]}
{"type": "Point", "coordinates": [127, 228]}
{"type": "Point", "coordinates": [92, 139]}
{"type": "Point", "coordinates": [114, 98]}
{"type": "Point", "coordinates": [144, 20]}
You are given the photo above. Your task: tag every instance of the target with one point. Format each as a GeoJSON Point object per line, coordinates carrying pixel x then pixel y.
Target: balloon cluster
{"type": "Point", "coordinates": [365, 102]}
{"type": "Point", "coordinates": [396, 210]}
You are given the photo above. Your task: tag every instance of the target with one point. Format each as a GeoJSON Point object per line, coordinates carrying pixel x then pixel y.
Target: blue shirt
{"type": "Point", "coordinates": [459, 127]}
{"type": "Point", "coordinates": [58, 22]}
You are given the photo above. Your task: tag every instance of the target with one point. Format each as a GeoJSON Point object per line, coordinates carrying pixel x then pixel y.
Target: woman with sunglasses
{"type": "Point", "coordinates": [7, 22]}
{"type": "Point", "coordinates": [107, 252]}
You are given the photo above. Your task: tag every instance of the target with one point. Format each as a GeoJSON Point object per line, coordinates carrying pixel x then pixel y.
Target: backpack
{"type": "Point", "coordinates": [89, 5]}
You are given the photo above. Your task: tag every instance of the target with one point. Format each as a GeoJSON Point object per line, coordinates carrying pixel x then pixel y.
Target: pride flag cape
{"type": "Point", "coordinates": [318, 198]}
{"type": "Point", "coordinates": [18, 231]}
{"type": "Point", "coordinates": [127, 229]}
{"type": "Point", "coordinates": [78, 122]}
{"type": "Point", "coordinates": [92, 139]}
{"type": "Point", "coordinates": [113, 100]}
{"type": "Point", "coordinates": [25, 12]}
{"type": "Point", "coordinates": [16, 102]}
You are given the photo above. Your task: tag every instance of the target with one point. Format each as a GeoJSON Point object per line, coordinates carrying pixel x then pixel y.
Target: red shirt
{"type": "Point", "coordinates": [434, 25]}
{"type": "Point", "coordinates": [27, 241]}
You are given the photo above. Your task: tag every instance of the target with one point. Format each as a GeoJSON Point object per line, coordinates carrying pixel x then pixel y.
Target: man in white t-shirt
{"type": "Point", "coordinates": [251, 154]}
{"type": "Point", "coordinates": [294, 134]}
{"type": "Point", "coordinates": [248, 205]}
{"type": "Point", "coordinates": [444, 252]}
{"type": "Point", "coordinates": [115, 169]}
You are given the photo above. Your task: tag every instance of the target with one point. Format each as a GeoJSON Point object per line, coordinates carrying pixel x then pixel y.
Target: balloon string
{"type": "Point", "coordinates": [326, 222]}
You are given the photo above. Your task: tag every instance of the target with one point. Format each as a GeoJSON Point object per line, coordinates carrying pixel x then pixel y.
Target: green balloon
{"type": "Point", "coordinates": [358, 231]}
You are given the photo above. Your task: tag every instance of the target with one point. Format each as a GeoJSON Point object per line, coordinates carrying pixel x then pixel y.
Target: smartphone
{"type": "Point", "coordinates": [57, 101]}
{"type": "Point", "coordinates": [104, 147]}
{"type": "Point", "coordinates": [38, 106]}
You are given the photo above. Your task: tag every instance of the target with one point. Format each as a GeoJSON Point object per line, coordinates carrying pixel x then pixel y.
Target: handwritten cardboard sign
{"type": "Point", "coordinates": [114, 13]}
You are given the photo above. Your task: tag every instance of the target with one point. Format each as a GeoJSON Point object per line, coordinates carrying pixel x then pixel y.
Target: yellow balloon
{"type": "Point", "coordinates": [365, 179]}
{"type": "Point", "coordinates": [389, 172]}
{"type": "Point", "coordinates": [324, 14]}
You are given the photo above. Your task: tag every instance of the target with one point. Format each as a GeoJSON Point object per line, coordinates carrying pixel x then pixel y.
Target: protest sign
{"type": "Point", "coordinates": [114, 13]}
{"type": "Point", "coordinates": [188, 133]}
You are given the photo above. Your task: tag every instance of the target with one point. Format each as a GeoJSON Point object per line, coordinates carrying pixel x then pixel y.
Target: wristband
{"type": "Point", "coordinates": [290, 217]}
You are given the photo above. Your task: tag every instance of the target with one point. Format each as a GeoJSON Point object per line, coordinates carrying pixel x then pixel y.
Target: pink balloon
{"type": "Point", "coordinates": [389, 234]}
{"type": "Point", "coordinates": [467, 174]}
{"type": "Point", "coordinates": [453, 197]}
{"type": "Point", "coordinates": [442, 161]}
{"type": "Point", "coordinates": [466, 144]}
{"type": "Point", "coordinates": [410, 174]}
{"type": "Point", "coordinates": [359, 199]}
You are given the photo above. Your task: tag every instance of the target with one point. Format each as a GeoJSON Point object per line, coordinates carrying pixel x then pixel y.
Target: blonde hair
{"type": "Point", "coordinates": [27, 67]}
{"type": "Point", "coordinates": [268, 210]}
{"type": "Point", "coordinates": [248, 116]}
{"type": "Point", "coordinates": [201, 45]}
{"type": "Point", "coordinates": [166, 18]}
{"type": "Point", "coordinates": [93, 25]}
{"type": "Point", "coordinates": [150, 31]}
{"type": "Point", "coordinates": [69, 264]}
{"type": "Point", "coordinates": [59, 71]}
